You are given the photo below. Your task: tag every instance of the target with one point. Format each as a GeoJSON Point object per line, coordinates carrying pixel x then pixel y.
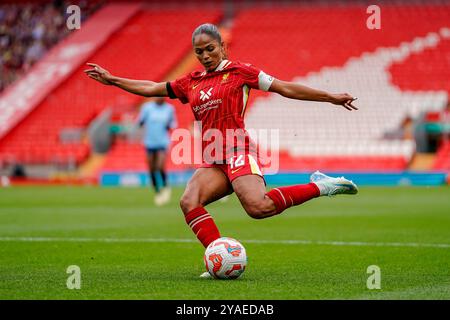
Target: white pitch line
{"type": "Point", "coordinates": [175, 240]}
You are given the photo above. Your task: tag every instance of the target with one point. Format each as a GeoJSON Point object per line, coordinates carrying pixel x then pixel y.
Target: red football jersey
{"type": "Point", "coordinates": [218, 99]}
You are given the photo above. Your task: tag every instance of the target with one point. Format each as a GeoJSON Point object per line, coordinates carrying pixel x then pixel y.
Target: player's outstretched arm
{"type": "Point", "coordinates": [140, 87]}
{"type": "Point", "coordinates": [297, 91]}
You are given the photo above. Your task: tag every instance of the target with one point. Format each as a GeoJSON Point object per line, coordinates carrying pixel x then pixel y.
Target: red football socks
{"type": "Point", "coordinates": [285, 197]}
{"type": "Point", "coordinates": [202, 224]}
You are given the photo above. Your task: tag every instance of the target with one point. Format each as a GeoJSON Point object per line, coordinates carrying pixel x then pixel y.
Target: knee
{"type": "Point", "coordinates": [185, 204]}
{"type": "Point", "coordinates": [255, 210]}
{"type": "Point", "coordinates": [188, 203]}
{"type": "Point", "coordinates": [259, 209]}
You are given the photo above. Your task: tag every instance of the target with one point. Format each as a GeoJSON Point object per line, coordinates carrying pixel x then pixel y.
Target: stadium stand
{"type": "Point", "coordinates": [76, 102]}
{"type": "Point", "coordinates": [399, 72]}
{"type": "Point", "coordinates": [433, 65]}
{"type": "Point", "coordinates": [319, 54]}
{"type": "Point", "coordinates": [29, 30]}
{"type": "Point", "coordinates": [43, 100]}
{"type": "Point", "coordinates": [371, 66]}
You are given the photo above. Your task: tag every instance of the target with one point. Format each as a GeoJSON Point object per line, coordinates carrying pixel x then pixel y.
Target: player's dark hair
{"type": "Point", "coordinates": [209, 29]}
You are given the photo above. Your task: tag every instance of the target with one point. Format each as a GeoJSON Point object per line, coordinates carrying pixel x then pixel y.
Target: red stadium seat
{"type": "Point", "coordinates": [140, 50]}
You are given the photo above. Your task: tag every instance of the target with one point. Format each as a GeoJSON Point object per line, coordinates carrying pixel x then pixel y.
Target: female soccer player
{"type": "Point", "coordinates": [218, 97]}
{"type": "Point", "coordinates": [158, 117]}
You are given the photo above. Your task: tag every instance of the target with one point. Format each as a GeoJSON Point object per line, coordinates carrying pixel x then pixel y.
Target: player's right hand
{"type": "Point", "coordinates": [99, 74]}
{"type": "Point", "coordinates": [345, 100]}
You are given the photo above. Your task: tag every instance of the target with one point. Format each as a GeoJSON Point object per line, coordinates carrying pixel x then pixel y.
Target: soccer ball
{"type": "Point", "coordinates": [225, 258]}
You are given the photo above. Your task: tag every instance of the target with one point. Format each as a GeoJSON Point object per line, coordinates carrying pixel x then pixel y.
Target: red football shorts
{"type": "Point", "coordinates": [240, 165]}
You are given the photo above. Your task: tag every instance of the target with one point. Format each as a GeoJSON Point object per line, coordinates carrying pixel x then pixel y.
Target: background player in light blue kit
{"type": "Point", "coordinates": [157, 117]}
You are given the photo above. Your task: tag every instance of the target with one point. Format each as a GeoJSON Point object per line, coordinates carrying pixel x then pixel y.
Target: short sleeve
{"type": "Point", "coordinates": [178, 89]}
{"type": "Point", "coordinates": [256, 78]}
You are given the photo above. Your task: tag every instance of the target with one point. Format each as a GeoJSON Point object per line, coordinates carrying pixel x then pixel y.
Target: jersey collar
{"type": "Point", "coordinates": [222, 65]}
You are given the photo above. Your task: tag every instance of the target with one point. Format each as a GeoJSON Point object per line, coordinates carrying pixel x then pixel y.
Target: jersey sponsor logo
{"type": "Point", "coordinates": [195, 86]}
{"type": "Point", "coordinates": [211, 104]}
{"type": "Point", "coordinates": [206, 95]}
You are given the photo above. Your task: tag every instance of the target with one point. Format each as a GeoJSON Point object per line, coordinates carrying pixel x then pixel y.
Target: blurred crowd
{"type": "Point", "coordinates": [29, 30]}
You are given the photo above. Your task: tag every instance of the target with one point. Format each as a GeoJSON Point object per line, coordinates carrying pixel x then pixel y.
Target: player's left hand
{"type": "Point", "coordinates": [345, 100]}
{"type": "Point", "coordinates": [98, 73]}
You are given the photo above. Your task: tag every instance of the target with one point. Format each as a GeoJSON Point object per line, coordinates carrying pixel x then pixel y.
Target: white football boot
{"type": "Point", "coordinates": [158, 199]}
{"type": "Point", "coordinates": [330, 186]}
{"type": "Point", "coordinates": [165, 195]}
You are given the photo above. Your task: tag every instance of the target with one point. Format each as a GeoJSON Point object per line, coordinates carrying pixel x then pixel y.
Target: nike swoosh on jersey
{"type": "Point", "coordinates": [234, 171]}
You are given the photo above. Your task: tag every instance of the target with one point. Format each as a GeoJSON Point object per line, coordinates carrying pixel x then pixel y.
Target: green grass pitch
{"type": "Point", "coordinates": [128, 249]}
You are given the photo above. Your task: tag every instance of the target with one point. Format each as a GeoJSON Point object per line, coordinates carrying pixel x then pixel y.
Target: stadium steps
{"type": "Point", "coordinates": [422, 162]}
{"type": "Point", "coordinates": [90, 168]}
